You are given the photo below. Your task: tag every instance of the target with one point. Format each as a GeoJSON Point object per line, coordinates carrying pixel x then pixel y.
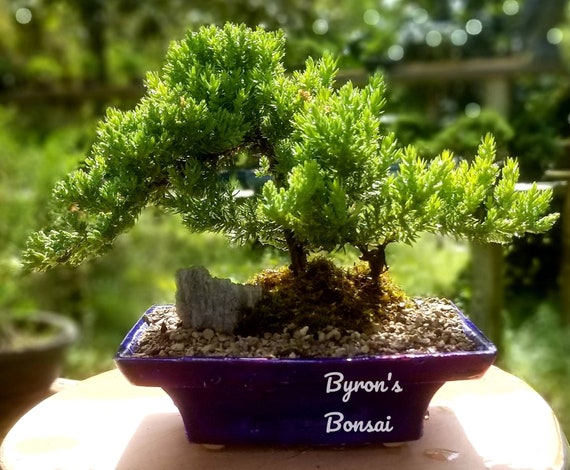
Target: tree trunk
{"type": "Point", "coordinates": [297, 253]}
{"type": "Point", "coordinates": [376, 259]}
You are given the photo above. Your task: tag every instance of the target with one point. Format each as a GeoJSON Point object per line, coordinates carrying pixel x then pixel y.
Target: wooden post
{"type": "Point", "coordinates": [488, 289]}
{"type": "Point", "coordinates": [564, 279]}
{"type": "Point", "coordinates": [487, 261]}
{"type": "Point", "coordinates": [563, 176]}
{"type": "Point", "coordinates": [497, 94]}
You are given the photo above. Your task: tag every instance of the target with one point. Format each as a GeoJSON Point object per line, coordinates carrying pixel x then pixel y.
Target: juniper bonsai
{"type": "Point", "coordinates": [334, 176]}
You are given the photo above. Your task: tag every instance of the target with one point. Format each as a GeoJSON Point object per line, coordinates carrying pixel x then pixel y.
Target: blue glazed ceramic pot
{"type": "Point", "coordinates": [328, 401]}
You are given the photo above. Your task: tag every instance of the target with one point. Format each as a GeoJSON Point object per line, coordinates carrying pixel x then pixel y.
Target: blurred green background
{"type": "Point", "coordinates": [63, 62]}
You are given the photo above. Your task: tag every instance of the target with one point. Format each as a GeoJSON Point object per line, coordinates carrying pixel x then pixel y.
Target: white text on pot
{"type": "Point", "coordinates": [337, 422]}
{"type": "Point", "coordinates": [337, 383]}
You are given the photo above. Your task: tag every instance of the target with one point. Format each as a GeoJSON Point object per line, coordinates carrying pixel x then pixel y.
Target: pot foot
{"type": "Point", "coordinates": [213, 447]}
{"type": "Point", "coordinates": [392, 445]}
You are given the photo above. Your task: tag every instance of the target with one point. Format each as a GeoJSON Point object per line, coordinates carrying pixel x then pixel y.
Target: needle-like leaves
{"type": "Point", "coordinates": [335, 177]}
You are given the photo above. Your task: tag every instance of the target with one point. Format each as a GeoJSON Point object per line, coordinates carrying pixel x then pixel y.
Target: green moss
{"type": "Point", "coordinates": [322, 295]}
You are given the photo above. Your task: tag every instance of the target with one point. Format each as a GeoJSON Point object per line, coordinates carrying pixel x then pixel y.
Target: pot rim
{"type": "Point", "coordinates": [67, 332]}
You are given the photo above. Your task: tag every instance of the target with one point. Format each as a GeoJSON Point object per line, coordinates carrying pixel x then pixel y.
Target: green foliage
{"type": "Point", "coordinates": [463, 135]}
{"type": "Point", "coordinates": [336, 177]}
{"type": "Point", "coordinates": [29, 164]}
{"type": "Point", "coordinates": [82, 42]}
{"type": "Point", "coordinates": [430, 267]}
{"type": "Point", "coordinates": [537, 352]}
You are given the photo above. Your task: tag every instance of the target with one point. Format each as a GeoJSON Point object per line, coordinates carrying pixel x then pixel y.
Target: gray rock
{"type": "Point", "coordinates": [203, 301]}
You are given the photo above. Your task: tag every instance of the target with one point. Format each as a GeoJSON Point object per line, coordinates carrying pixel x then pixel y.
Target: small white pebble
{"type": "Point", "coordinates": [333, 334]}
{"type": "Point", "coordinates": [208, 334]}
{"type": "Point", "coordinates": [339, 352]}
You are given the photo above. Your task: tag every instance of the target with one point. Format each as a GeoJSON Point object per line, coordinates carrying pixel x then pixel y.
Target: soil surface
{"type": "Point", "coordinates": [18, 335]}
{"type": "Point", "coordinates": [420, 326]}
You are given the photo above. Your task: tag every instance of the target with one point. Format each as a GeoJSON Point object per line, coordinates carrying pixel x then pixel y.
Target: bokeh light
{"type": "Point", "coordinates": [472, 109]}
{"type": "Point", "coordinates": [474, 26]}
{"type": "Point", "coordinates": [511, 7]}
{"type": "Point", "coordinates": [371, 17]}
{"type": "Point", "coordinates": [554, 36]}
{"type": "Point", "coordinates": [320, 26]}
{"type": "Point", "coordinates": [420, 16]}
{"type": "Point", "coordinates": [433, 38]}
{"type": "Point", "coordinates": [23, 15]}
{"type": "Point", "coordinates": [396, 52]}
{"type": "Point", "coordinates": [459, 37]}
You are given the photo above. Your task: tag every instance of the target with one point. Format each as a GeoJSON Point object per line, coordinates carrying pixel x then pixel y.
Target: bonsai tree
{"type": "Point", "coordinates": [334, 177]}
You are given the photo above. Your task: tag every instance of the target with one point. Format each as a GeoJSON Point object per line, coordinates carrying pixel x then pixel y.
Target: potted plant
{"type": "Point", "coordinates": [312, 353]}
{"type": "Point", "coordinates": [32, 350]}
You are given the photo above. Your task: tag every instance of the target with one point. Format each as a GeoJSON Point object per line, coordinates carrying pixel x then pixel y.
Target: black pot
{"type": "Point", "coordinates": [27, 374]}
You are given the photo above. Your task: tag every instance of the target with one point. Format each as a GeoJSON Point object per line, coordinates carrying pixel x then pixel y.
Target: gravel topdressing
{"type": "Point", "coordinates": [429, 325]}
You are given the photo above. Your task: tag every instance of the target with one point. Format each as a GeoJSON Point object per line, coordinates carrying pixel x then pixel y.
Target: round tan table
{"type": "Point", "coordinates": [497, 422]}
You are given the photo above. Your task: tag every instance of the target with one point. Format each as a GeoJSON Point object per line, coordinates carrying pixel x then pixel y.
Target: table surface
{"type": "Point", "coordinates": [496, 422]}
